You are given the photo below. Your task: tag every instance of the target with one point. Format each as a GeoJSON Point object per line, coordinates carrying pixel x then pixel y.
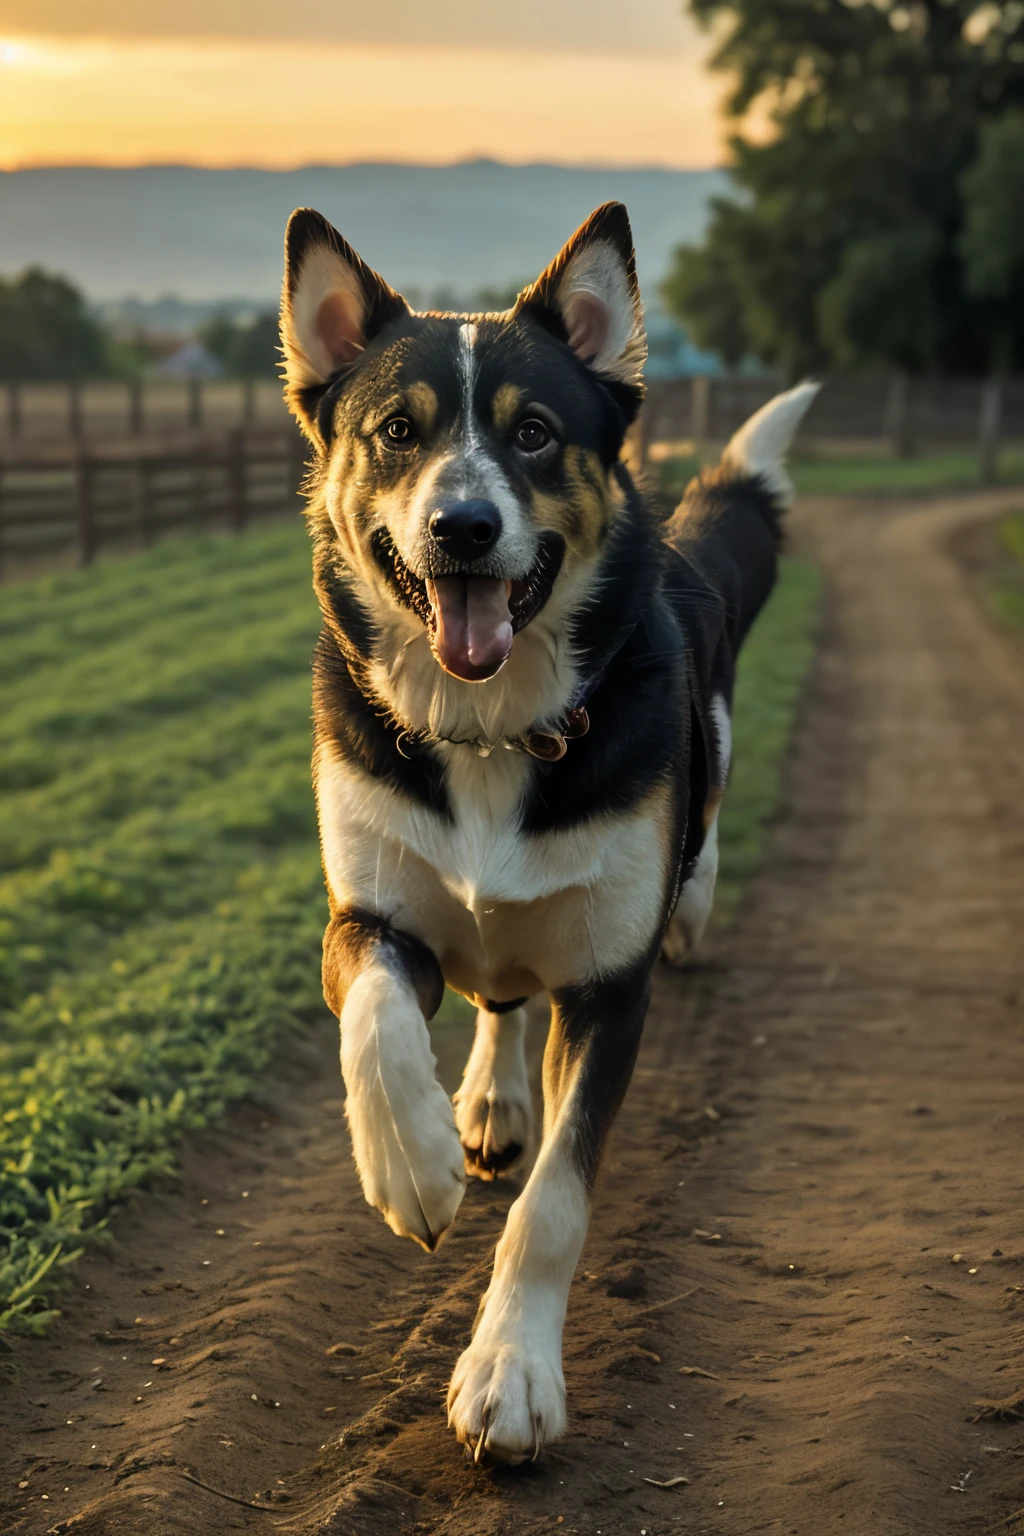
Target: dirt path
{"type": "Point", "coordinates": [822, 1118]}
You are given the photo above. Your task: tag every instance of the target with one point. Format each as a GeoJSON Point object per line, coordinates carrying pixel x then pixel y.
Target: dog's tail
{"type": "Point", "coordinates": [728, 525]}
{"type": "Point", "coordinates": [758, 451]}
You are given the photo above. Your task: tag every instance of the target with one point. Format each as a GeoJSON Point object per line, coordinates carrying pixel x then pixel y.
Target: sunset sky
{"type": "Point", "coordinates": [261, 82]}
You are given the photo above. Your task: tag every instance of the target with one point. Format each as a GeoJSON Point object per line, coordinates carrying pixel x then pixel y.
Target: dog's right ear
{"type": "Point", "coordinates": [332, 304]}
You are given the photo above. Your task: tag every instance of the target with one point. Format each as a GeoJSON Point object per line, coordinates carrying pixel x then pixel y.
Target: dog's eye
{"type": "Point", "coordinates": [397, 432]}
{"type": "Point", "coordinates": [531, 436]}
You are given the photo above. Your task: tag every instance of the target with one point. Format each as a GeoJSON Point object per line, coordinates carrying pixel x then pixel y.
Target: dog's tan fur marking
{"type": "Point", "coordinates": [349, 947]}
{"type": "Point", "coordinates": [506, 406]}
{"type": "Point", "coordinates": [424, 405]}
{"type": "Point", "coordinates": [584, 512]}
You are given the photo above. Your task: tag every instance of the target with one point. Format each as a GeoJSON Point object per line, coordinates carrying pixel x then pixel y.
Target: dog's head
{"type": "Point", "coordinates": [466, 459]}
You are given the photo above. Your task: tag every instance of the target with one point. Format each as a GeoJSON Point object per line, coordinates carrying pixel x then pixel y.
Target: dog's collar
{"type": "Point", "coordinates": [547, 745]}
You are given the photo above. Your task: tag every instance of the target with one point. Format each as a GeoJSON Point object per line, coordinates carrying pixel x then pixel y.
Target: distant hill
{"type": "Point", "coordinates": [206, 235]}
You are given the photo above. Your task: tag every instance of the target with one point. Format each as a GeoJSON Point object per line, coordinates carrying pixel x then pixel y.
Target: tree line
{"type": "Point", "coordinates": [47, 331]}
{"type": "Point", "coordinates": [881, 220]}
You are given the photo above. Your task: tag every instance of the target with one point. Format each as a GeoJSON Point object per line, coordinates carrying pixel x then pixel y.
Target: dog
{"type": "Point", "coordinates": [521, 740]}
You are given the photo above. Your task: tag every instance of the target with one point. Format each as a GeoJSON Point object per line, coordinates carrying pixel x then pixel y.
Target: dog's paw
{"type": "Point", "coordinates": [507, 1398]}
{"type": "Point", "coordinates": [495, 1125]}
{"type": "Point", "coordinates": [494, 1107]}
{"type": "Point", "coordinates": [406, 1146]}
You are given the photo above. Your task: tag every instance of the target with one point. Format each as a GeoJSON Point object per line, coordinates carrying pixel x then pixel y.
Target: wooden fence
{"type": "Point", "coordinates": [81, 502]}
{"type": "Point", "coordinates": [75, 495]}
{"type": "Point", "coordinates": [87, 410]}
{"type": "Point", "coordinates": [898, 413]}
{"type": "Point", "coordinates": [906, 413]}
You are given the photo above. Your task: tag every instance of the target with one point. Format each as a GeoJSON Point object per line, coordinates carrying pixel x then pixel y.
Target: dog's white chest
{"type": "Point", "coordinates": [504, 911]}
{"type": "Point", "coordinates": [484, 858]}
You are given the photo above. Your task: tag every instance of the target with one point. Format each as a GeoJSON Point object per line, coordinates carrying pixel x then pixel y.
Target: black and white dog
{"type": "Point", "coordinates": [521, 697]}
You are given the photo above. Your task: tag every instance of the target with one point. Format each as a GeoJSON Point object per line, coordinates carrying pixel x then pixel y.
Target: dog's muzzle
{"type": "Point", "coordinates": [472, 618]}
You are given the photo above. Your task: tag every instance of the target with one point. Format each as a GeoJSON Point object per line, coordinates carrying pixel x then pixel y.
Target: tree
{"type": "Point", "coordinates": [699, 287]}
{"type": "Point", "coordinates": [46, 331]}
{"type": "Point", "coordinates": [992, 242]}
{"type": "Point", "coordinates": [248, 349]}
{"type": "Point", "coordinates": [844, 243]}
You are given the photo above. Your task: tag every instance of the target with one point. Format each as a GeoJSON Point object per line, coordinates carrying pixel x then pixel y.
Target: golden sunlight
{"type": "Point", "coordinates": [278, 104]}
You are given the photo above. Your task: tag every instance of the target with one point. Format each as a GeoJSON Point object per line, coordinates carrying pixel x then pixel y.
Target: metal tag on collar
{"type": "Point", "coordinates": [546, 745]}
{"type": "Point", "coordinates": [550, 746]}
{"type": "Point", "coordinates": [575, 723]}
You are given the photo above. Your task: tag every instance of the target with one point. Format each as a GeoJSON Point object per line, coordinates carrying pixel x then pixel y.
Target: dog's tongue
{"type": "Point", "coordinates": [473, 627]}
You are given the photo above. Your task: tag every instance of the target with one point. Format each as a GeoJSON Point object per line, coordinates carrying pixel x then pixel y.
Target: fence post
{"type": "Point", "coordinates": [2, 550]}
{"type": "Point", "coordinates": [238, 506]}
{"type": "Point", "coordinates": [14, 419]}
{"type": "Point", "coordinates": [74, 408]}
{"type": "Point", "coordinates": [195, 404]}
{"type": "Point", "coordinates": [143, 500]}
{"type": "Point", "coordinates": [990, 418]}
{"type": "Point", "coordinates": [897, 417]}
{"type": "Point", "coordinates": [135, 407]}
{"type": "Point", "coordinates": [700, 409]}
{"type": "Point", "coordinates": [248, 402]}
{"type": "Point", "coordinates": [199, 489]}
{"type": "Point", "coordinates": [85, 507]}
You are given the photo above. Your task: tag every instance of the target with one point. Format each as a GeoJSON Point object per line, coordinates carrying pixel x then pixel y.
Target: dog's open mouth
{"type": "Point", "coordinates": [472, 620]}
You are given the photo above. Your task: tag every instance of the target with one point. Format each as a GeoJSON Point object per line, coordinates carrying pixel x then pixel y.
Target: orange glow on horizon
{"type": "Point", "coordinates": [281, 104]}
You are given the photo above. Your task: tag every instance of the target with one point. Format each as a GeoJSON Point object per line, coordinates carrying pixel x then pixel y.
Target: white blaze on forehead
{"type": "Point", "coordinates": [468, 333]}
{"type": "Point", "coordinates": [465, 470]}
{"type": "Point", "coordinates": [475, 472]}
{"type": "Point", "coordinates": [468, 369]}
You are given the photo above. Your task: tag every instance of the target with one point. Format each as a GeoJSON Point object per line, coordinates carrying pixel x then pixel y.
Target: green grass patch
{"type": "Point", "coordinates": [772, 671]}
{"type": "Point", "coordinates": [881, 474]}
{"type": "Point", "coordinates": [875, 473]}
{"type": "Point", "coordinates": [1006, 581]}
{"type": "Point", "coordinates": [161, 900]}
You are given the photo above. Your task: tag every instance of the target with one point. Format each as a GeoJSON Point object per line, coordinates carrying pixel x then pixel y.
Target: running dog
{"type": "Point", "coordinates": [521, 703]}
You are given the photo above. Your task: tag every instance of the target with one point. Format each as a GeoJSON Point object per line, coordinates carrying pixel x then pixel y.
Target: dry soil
{"type": "Point", "coordinates": [806, 1266]}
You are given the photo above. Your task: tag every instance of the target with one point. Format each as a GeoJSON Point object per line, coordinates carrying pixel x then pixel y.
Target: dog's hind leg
{"type": "Point", "coordinates": [690, 918]}
{"type": "Point", "coordinates": [493, 1111]}
{"type": "Point", "coordinates": [383, 985]}
{"type": "Point", "coordinates": [507, 1394]}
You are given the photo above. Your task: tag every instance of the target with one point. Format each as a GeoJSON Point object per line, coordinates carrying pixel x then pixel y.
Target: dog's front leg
{"type": "Point", "coordinates": [383, 985]}
{"type": "Point", "coordinates": [507, 1394]}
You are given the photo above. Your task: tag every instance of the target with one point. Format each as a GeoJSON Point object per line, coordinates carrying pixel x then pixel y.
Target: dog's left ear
{"type": "Point", "coordinates": [332, 304]}
{"type": "Point", "coordinates": [591, 289]}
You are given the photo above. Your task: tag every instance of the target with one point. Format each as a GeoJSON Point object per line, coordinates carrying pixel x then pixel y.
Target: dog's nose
{"type": "Point", "coordinates": [466, 530]}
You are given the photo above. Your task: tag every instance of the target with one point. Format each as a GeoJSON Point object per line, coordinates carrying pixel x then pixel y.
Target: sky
{"type": "Point", "coordinates": [269, 83]}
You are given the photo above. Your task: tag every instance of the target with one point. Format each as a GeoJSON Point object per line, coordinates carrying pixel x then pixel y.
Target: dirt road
{"type": "Point", "coordinates": [814, 1203]}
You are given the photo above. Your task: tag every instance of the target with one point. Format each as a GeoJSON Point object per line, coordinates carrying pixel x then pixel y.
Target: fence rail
{"type": "Point", "coordinates": [85, 410]}
{"type": "Point", "coordinates": [77, 495]}
{"type": "Point", "coordinates": [90, 499]}
{"type": "Point", "coordinates": [905, 413]}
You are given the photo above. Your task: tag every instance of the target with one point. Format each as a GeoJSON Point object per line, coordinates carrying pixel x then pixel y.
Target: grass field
{"type": "Point", "coordinates": [161, 902]}
{"type": "Point", "coordinates": [838, 475]}
{"type": "Point", "coordinates": [1006, 580]}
